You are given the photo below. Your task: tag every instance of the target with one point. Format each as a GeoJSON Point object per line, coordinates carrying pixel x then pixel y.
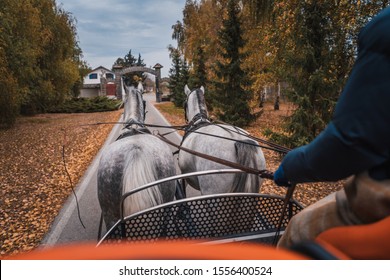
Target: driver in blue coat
{"type": "Point", "coordinates": [354, 145]}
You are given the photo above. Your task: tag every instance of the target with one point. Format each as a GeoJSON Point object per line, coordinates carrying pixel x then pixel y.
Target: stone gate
{"type": "Point", "coordinates": [120, 71]}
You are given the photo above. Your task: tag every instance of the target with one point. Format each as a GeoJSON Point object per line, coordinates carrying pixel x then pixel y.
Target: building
{"type": "Point", "coordinates": [99, 82]}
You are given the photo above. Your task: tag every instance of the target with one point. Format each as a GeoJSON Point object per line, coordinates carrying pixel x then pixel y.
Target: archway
{"type": "Point", "coordinates": [119, 71]}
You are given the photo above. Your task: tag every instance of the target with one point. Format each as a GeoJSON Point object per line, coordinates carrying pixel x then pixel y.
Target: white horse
{"type": "Point", "coordinates": [220, 141]}
{"type": "Point", "coordinates": [134, 159]}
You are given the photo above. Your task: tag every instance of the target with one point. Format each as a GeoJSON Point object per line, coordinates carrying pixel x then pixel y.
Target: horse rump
{"type": "Point", "coordinates": [245, 151]}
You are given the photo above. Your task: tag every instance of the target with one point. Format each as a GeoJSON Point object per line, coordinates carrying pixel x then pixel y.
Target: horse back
{"type": "Point", "coordinates": [224, 142]}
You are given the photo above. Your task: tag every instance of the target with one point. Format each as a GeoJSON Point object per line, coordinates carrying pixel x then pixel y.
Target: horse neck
{"type": "Point", "coordinates": [133, 111]}
{"type": "Point", "coordinates": [196, 106]}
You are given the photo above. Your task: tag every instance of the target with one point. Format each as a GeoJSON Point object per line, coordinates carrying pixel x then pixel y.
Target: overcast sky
{"type": "Point", "coordinates": [108, 29]}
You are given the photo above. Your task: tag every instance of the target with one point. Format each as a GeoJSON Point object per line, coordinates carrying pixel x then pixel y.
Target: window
{"type": "Point", "coordinates": [110, 76]}
{"type": "Point", "coordinates": [93, 76]}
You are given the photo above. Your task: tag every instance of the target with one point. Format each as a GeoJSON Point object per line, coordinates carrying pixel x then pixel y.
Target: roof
{"type": "Point", "coordinates": [101, 67]}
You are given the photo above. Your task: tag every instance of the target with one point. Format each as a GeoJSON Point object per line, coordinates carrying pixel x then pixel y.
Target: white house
{"type": "Point", "coordinates": [99, 82]}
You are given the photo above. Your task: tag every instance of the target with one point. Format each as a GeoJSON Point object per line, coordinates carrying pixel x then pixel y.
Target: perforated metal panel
{"type": "Point", "coordinates": [206, 217]}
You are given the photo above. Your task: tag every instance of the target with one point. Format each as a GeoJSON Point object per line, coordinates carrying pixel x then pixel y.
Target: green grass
{"type": "Point", "coordinates": [170, 108]}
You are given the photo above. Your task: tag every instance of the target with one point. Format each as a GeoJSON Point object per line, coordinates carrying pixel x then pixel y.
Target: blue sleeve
{"type": "Point", "coordinates": [330, 157]}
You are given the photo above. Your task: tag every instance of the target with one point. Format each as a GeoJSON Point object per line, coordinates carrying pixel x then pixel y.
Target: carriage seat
{"type": "Point", "coordinates": [360, 242]}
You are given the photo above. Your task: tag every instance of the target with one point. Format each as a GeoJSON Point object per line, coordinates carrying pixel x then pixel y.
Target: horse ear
{"type": "Point", "coordinates": [187, 90]}
{"type": "Point", "coordinates": [202, 89]}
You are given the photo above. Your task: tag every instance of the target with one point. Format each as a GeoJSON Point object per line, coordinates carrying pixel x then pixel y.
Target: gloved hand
{"type": "Point", "coordinates": [280, 178]}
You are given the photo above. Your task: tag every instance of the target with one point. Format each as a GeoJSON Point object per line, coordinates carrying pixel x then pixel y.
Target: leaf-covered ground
{"type": "Point", "coordinates": [33, 181]}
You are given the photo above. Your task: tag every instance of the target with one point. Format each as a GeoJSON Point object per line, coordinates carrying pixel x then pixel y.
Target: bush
{"type": "Point", "coordinates": [87, 105]}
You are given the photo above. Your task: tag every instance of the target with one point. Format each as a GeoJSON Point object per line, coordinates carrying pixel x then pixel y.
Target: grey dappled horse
{"type": "Point", "coordinates": [240, 149]}
{"type": "Point", "coordinates": [134, 159]}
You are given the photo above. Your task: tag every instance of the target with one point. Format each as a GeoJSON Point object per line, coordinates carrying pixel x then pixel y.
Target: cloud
{"type": "Point", "coordinates": [109, 29]}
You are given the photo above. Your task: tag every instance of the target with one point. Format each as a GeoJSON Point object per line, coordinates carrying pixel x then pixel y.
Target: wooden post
{"type": "Point", "coordinates": [118, 79]}
{"type": "Point", "coordinates": [158, 67]}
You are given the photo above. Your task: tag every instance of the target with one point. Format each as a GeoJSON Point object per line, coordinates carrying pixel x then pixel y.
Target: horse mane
{"type": "Point", "coordinates": [134, 106]}
{"type": "Point", "coordinates": [200, 106]}
{"type": "Point", "coordinates": [138, 172]}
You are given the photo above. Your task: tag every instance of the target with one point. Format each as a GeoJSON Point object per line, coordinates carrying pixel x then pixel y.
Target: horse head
{"type": "Point", "coordinates": [195, 104]}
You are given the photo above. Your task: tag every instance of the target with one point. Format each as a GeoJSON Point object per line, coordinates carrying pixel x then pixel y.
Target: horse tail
{"type": "Point", "coordinates": [138, 171]}
{"type": "Point", "coordinates": [247, 155]}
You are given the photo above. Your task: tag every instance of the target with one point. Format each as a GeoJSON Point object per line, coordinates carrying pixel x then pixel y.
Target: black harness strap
{"type": "Point", "coordinates": [193, 126]}
{"type": "Point", "coordinates": [130, 131]}
{"type": "Point", "coordinates": [133, 131]}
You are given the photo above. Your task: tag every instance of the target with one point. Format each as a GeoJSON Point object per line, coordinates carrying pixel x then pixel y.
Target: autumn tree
{"type": "Point", "coordinates": [189, 41]}
{"type": "Point", "coordinates": [257, 22]}
{"type": "Point", "coordinates": [202, 21]}
{"type": "Point", "coordinates": [21, 50]}
{"type": "Point", "coordinates": [231, 89]}
{"type": "Point", "coordinates": [58, 63]}
{"type": "Point", "coordinates": [38, 56]}
{"type": "Point", "coordinates": [178, 35]}
{"type": "Point", "coordinates": [260, 11]}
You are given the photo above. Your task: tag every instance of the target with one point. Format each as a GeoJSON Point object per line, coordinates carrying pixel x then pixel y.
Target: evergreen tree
{"type": "Point", "coordinates": [176, 84]}
{"type": "Point", "coordinates": [140, 61]}
{"type": "Point", "coordinates": [198, 77]}
{"type": "Point", "coordinates": [309, 65]}
{"type": "Point", "coordinates": [310, 90]}
{"type": "Point", "coordinates": [231, 94]}
{"type": "Point", "coordinates": [130, 61]}
{"type": "Point", "coordinates": [316, 63]}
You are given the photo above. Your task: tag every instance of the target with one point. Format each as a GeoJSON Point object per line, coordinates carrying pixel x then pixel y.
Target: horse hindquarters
{"type": "Point", "coordinates": [250, 156]}
{"type": "Point", "coordinates": [144, 167]}
{"type": "Point", "coordinates": [130, 163]}
{"type": "Point", "coordinates": [109, 178]}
